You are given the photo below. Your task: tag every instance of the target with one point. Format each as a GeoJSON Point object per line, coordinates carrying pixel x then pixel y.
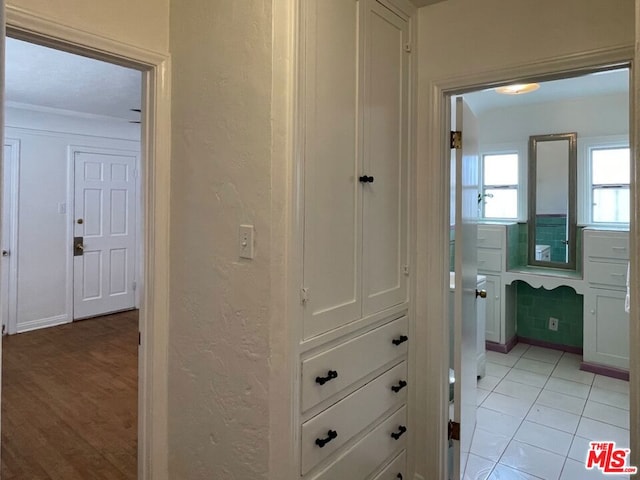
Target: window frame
{"type": "Point", "coordinates": [585, 178]}
{"type": "Point", "coordinates": [521, 185]}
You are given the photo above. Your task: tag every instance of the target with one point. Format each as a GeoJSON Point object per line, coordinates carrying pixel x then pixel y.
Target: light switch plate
{"type": "Point", "coordinates": [245, 242]}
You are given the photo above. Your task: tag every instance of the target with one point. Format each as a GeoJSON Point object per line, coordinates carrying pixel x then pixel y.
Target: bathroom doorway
{"type": "Point", "coordinates": [541, 393]}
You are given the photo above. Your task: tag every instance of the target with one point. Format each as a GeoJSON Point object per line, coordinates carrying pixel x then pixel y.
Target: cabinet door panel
{"type": "Point", "coordinates": [332, 218]}
{"type": "Point", "coordinates": [385, 158]}
{"type": "Point", "coordinates": [493, 322]}
{"type": "Point", "coordinates": [606, 328]}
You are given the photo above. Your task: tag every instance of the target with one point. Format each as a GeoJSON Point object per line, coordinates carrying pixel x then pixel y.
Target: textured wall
{"type": "Point", "coordinates": [143, 23]}
{"type": "Point", "coordinates": [221, 178]}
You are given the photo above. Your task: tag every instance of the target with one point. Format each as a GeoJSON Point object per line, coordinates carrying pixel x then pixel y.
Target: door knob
{"type": "Point", "coordinates": [5, 253]}
{"type": "Point", "coordinates": [481, 293]}
{"type": "Point", "coordinates": [78, 246]}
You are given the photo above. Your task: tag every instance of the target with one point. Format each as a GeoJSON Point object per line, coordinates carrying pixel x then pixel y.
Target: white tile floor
{"type": "Point", "coordinates": [537, 412]}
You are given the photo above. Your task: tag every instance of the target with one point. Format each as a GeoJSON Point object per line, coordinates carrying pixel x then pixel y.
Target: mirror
{"type": "Point", "coordinates": [552, 200]}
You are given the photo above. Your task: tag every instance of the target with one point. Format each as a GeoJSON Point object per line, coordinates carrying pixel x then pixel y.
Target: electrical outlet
{"type": "Point", "coordinates": [245, 242]}
{"type": "Point", "coordinates": [553, 324]}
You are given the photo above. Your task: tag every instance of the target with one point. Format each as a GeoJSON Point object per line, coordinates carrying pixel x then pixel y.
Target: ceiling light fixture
{"type": "Point", "coordinates": [518, 89]}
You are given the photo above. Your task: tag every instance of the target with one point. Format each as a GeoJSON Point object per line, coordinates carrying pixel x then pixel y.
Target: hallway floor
{"type": "Point", "coordinates": [537, 412]}
{"type": "Point", "coordinates": [69, 401]}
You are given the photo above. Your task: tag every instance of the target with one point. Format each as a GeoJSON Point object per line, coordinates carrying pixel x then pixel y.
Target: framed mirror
{"type": "Point", "coordinates": [552, 200]}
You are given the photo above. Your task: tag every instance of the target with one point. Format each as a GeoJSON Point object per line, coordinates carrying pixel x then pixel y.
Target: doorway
{"type": "Point", "coordinates": [565, 407]}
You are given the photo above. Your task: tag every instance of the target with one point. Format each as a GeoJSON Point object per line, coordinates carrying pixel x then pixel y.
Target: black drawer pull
{"type": "Point", "coordinates": [400, 386]}
{"type": "Point", "coordinates": [365, 179]}
{"type": "Point", "coordinates": [331, 434]}
{"type": "Point", "coordinates": [399, 476]}
{"type": "Point", "coordinates": [399, 433]}
{"type": "Point", "coordinates": [400, 339]}
{"type": "Point", "coordinates": [331, 374]}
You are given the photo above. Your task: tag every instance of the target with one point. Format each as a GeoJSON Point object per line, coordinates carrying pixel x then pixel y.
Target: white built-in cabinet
{"type": "Point", "coordinates": [606, 324]}
{"type": "Point", "coordinates": [354, 106]}
{"type": "Point", "coordinates": [355, 162]}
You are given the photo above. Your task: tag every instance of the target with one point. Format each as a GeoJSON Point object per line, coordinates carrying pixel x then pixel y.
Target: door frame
{"type": "Point", "coordinates": [138, 251]}
{"type": "Point", "coordinates": [155, 175]}
{"type": "Point", "coordinates": [432, 329]}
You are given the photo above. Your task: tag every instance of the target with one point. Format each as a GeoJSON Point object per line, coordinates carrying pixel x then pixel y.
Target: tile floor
{"type": "Point", "coordinates": [537, 412]}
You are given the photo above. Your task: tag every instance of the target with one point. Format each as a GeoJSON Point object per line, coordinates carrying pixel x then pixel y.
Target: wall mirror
{"type": "Point", "coordinates": [552, 200]}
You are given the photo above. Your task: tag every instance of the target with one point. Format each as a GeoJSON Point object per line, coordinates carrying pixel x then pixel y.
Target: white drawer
{"type": "Point", "coordinates": [607, 245]}
{"type": "Point", "coordinates": [607, 274]}
{"type": "Point", "coordinates": [395, 470]}
{"type": "Point", "coordinates": [351, 361]}
{"type": "Point", "coordinates": [364, 458]}
{"type": "Point", "coordinates": [350, 416]}
{"type": "Point", "coordinates": [489, 260]}
{"type": "Point", "coordinates": [490, 237]}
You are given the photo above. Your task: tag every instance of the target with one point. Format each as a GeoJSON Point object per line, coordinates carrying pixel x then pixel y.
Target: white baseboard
{"type": "Point", "coordinates": [43, 323]}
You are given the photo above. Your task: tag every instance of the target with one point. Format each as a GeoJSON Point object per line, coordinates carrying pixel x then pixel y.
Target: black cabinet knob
{"type": "Point", "coordinates": [400, 339]}
{"type": "Point", "coordinates": [400, 386]}
{"type": "Point", "coordinates": [399, 476]}
{"type": "Point", "coordinates": [331, 374]}
{"type": "Point", "coordinates": [331, 434]}
{"type": "Point", "coordinates": [366, 179]}
{"type": "Point", "coordinates": [399, 433]}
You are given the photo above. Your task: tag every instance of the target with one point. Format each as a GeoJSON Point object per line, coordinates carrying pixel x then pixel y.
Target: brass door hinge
{"type": "Point", "coordinates": [454, 430]}
{"type": "Point", "coordinates": [456, 139]}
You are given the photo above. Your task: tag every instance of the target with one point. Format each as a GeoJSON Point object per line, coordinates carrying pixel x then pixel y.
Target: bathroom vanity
{"type": "Point", "coordinates": [600, 279]}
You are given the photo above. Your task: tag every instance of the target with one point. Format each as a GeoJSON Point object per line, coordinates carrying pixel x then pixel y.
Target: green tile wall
{"type": "Point", "coordinates": [552, 230]}
{"type": "Point", "coordinates": [452, 249]}
{"type": "Point", "coordinates": [534, 306]}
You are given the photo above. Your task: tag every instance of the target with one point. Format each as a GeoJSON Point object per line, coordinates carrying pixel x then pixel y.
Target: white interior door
{"type": "Point", "coordinates": [465, 327]}
{"type": "Point", "coordinates": [8, 280]}
{"type": "Point", "coordinates": [104, 231]}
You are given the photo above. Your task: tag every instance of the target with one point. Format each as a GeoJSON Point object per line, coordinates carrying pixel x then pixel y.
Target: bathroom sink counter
{"type": "Point", "coordinates": [547, 278]}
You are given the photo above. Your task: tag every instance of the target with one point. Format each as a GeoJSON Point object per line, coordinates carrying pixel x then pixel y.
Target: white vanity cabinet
{"type": "Point", "coordinates": [492, 240]}
{"type": "Point", "coordinates": [606, 324]}
{"type": "Point", "coordinates": [353, 383]}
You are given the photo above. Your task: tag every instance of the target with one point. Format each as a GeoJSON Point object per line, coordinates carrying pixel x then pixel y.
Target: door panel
{"type": "Point", "coordinates": [385, 150]}
{"type": "Point", "coordinates": [105, 193]}
{"type": "Point", "coordinates": [332, 219]}
{"type": "Point", "coordinates": [465, 326]}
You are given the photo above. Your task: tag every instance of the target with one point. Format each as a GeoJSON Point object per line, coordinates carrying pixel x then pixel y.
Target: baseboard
{"type": "Point", "coordinates": [42, 323]}
{"type": "Point", "coordinates": [551, 345]}
{"type": "Point", "coordinates": [501, 347]}
{"type": "Point", "coordinates": [605, 370]}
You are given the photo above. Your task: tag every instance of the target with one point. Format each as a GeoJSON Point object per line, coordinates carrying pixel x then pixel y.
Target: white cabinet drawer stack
{"type": "Point", "coordinates": [491, 262]}
{"type": "Point", "coordinates": [354, 84]}
{"type": "Point", "coordinates": [606, 324]}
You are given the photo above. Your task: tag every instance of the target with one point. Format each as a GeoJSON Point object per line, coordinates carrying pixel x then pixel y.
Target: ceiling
{"type": "Point", "coordinates": [44, 77]}
{"type": "Point", "coordinates": [602, 83]}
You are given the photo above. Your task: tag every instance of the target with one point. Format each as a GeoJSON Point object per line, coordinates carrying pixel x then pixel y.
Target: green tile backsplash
{"type": "Point", "coordinates": [534, 306]}
{"type": "Point", "coordinates": [552, 230]}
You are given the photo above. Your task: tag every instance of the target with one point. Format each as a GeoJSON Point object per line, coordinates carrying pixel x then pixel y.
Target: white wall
{"type": "Point", "coordinates": [143, 23]}
{"type": "Point", "coordinates": [219, 351]}
{"type": "Point", "coordinates": [458, 38]}
{"type": "Point", "coordinates": [43, 250]}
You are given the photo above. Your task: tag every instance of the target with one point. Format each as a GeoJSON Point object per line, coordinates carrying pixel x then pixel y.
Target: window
{"type": "Point", "coordinates": [499, 197]}
{"type": "Point", "coordinates": [610, 175]}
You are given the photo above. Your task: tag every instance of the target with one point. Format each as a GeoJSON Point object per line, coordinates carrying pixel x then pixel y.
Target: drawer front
{"type": "Point", "coordinates": [395, 470]}
{"type": "Point", "coordinates": [489, 260]}
{"type": "Point", "coordinates": [364, 458]}
{"type": "Point", "coordinates": [607, 274]}
{"type": "Point", "coordinates": [607, 245]}
{"type": "Point", "coordinates": [350, 416]}
{"type": "Point", "coordinates": [490, 237]}
{"type": "Point", "coordinates": [351, 361]}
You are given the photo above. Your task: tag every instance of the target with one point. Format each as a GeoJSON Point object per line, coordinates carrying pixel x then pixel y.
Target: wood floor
{"type": "Point", "coordinates": [69, 401]}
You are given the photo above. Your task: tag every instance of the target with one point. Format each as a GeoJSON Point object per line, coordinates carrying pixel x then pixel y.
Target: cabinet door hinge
{"type": "Point", "coordinates": [304, 295]}
{"type": "Point", "coordinates": [454, 430]}
{"type": "Point", "coordinates": [405, 269]}
{"type": "Point", "coordinates": [407, 47]}
{"type": "Point", "coordinates": [456, 140]}
{"type": "Point", "coordinates": [139, 338]}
